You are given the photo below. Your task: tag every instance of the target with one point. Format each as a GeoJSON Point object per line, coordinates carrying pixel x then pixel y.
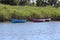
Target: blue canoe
{"type": "Point", "coordinates": [18, 21]}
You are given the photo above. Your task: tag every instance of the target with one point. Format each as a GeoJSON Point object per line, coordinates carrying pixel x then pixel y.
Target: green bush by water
{"type": "Point", "coordinates": [8, 12]}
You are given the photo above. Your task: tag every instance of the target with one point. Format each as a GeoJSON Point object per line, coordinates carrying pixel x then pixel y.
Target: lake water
{"type": "Point", "coordinates": [30, 31]}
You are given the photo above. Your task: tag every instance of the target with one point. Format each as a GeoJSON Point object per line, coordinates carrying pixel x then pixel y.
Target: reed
{"type": "Point", "coordinates": [7, 12]}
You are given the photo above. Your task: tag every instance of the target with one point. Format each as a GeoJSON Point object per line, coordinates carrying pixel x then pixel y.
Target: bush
{"type": "Point", "coordinates": [8, 12]}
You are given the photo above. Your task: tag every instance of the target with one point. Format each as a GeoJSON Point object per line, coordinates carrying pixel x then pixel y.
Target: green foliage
{"type": "Point", "coordinates": [14, 2]}
{"type": "Point", "coordinates": [28, 12]}
{"type": "Point", "coordinates": [22, 2]}
{"type": "Point", "coordinates": [11, 2]}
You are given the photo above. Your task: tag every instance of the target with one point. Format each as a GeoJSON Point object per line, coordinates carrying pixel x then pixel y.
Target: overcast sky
{"type": "Point", "coordinates": [33, 0]}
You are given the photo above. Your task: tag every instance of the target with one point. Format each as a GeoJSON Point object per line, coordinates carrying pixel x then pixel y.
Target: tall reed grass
{"type": "Point", "coordinates": [8, 12]}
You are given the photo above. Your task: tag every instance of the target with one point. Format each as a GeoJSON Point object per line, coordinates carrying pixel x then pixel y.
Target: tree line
{"type": "Point", "coordinates": [27, 2]}
{"type": "Point", "coordinates": [14, 2]}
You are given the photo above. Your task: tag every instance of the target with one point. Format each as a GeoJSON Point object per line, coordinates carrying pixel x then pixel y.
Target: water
{"type": "Point", "coordinates": [30, 31]}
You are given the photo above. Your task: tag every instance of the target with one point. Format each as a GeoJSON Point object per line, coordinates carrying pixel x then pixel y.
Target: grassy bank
{"type": "Point", "coordinates": [8, 12]}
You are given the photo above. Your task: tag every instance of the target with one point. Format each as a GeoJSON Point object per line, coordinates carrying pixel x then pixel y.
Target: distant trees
{"type": "Point", "coordinates": [5, 1]}
{"type": "Point", "coordinates": [27, 2]}
{"type": "Point", "coordinates": [41, 3]}
{"type": "Point", "coordinates": [54, 3]}
{"type": "Point", "coordinates": [38, 2]}
{"type": "Point", "coordinates": [15, 2]}
{"type": "Point", "coordinates": [22, 2]}
{"type": "Point", "coordinates": [11, 2]}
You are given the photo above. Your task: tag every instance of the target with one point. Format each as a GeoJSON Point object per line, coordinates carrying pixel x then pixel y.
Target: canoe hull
{"type": "Point", "coordinates": [41, 20]}
{"type": "Point", "coordinates": [18, 21]}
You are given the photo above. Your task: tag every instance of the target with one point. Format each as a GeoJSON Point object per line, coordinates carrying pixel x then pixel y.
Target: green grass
{"type": "Point", "coordinates": [28, 12]}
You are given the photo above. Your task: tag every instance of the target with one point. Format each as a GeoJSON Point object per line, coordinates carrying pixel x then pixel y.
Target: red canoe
{"type": "Point", "coordinates": [41, 20]}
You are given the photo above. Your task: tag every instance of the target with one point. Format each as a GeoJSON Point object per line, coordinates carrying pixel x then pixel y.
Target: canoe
{"type": "Point", "coordinates": [41, 20]}
{"type": "Point", "coordinates": [18, 21]}
{"type": "Point", "coordinates": [37, 20]}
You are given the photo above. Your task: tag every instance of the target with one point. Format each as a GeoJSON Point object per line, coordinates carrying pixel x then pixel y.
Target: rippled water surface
{"type": "Point", "coordinates": [30, 31]}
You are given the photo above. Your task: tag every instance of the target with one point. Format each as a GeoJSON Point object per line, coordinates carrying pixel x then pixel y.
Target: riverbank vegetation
{"type": "Point", "coordinates": [8, 12]}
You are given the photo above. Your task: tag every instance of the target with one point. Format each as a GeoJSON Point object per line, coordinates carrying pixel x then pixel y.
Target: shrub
{"type": "Point", "coordinates": [8, 12]}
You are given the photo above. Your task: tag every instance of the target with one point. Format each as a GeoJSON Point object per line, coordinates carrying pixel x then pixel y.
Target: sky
{"type": "Point", "coordinates": [33, 0]}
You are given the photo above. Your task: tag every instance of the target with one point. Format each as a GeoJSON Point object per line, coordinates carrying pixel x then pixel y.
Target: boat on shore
{"type": "Point", "coordinates": [41, 20]}
{"type": "Point", "coordinates": [18, 21]}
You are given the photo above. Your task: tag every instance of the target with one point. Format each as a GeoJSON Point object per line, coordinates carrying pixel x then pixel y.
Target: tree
{"type": "Point", "coordinates": [52, 2]}
{"type": "Point", "coordinates": [22, 2]}
{"type": "Point", "coordinates": [39, 2]}
{"type": "Point", "coordinates": [11, 2]}
{"type": "Point", "coordinates": [14, 2]}
{"type": "Point", "coordinates": [27, 2]}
